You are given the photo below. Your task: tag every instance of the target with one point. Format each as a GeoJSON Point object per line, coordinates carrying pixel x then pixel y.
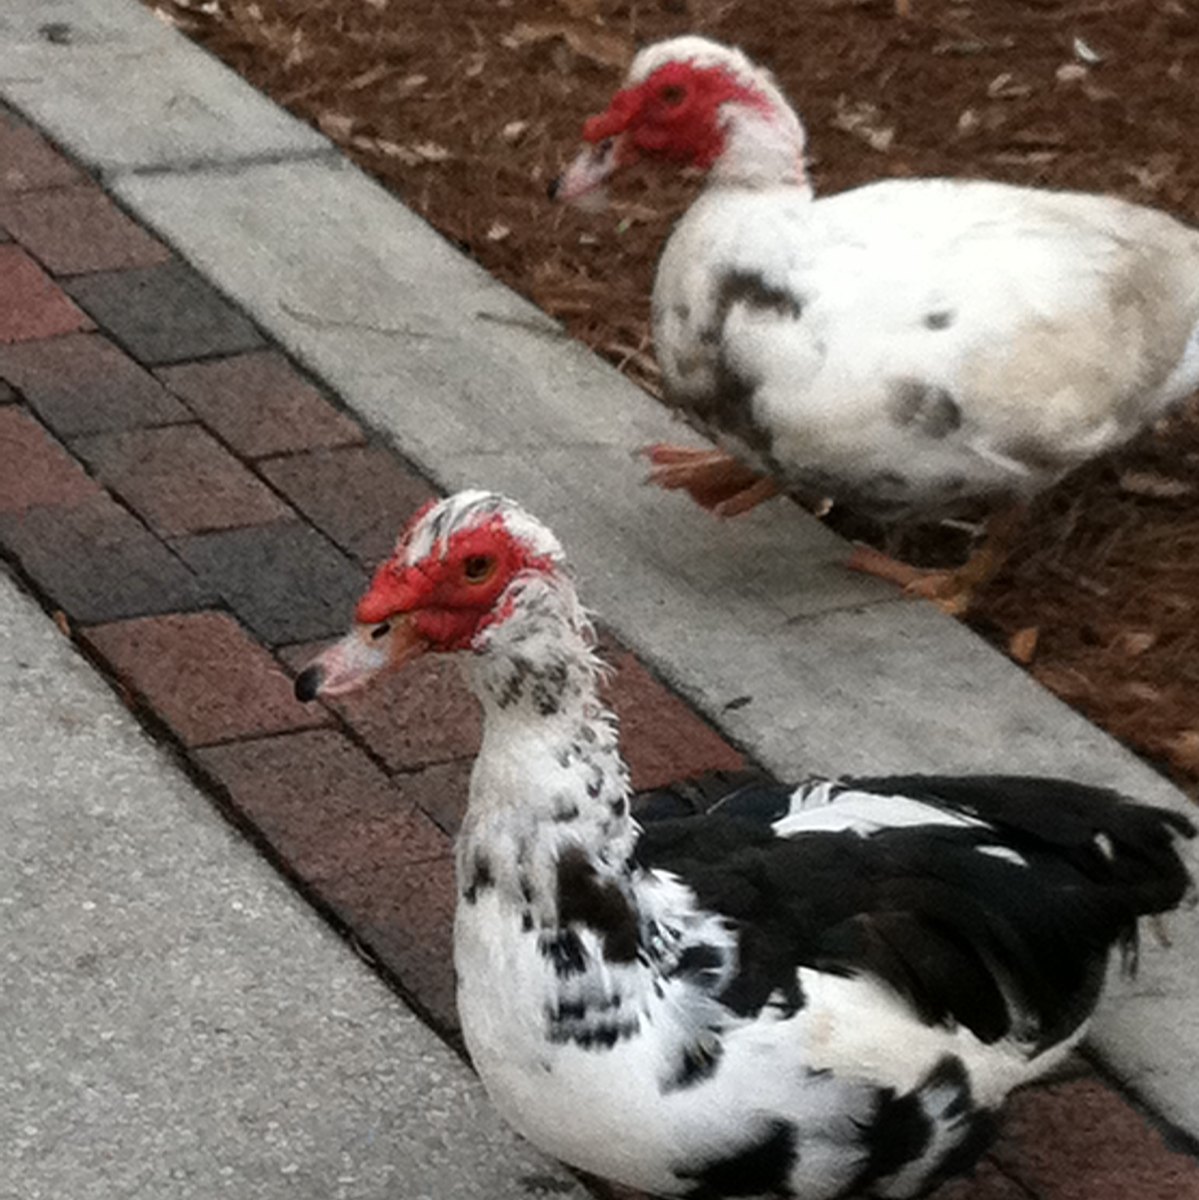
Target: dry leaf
{"type": "Point", "coordinates": [430, 152]}
{"type": "Point", "coordinates": [377, 72]}
{"type": "Point", "coordinates": [580, 8]}
{"type": "Point", "coordinates": [585, 40]}
{"type": "Point", "coordinates": [1184, 749]}
{"type": "Point", "coordinates": [1027, 158]}
{"type": "Point", "coordinates": [498, 232]}
{"type": "Point", "coordinates": [1022, 645]}
{"type": "Point", "coordinates": [512, 131]}
{"type": "Point", "coordinates": [864, 120]}
{"type": "Point", "coordinates": [338, 126]}
{"type": "Point", "coordinates": [1159, 487]}
{"type": "Point", "coordinates": [1086, 53]}
{"type": "Point", "coordinates": [1152, 174]}
{"type": "Point", "coordinates": [1134, 642]}
{"type": "Point", "coordinates": [1070, 73]}
{"type": "Point", "coordinates": [1007, 87]}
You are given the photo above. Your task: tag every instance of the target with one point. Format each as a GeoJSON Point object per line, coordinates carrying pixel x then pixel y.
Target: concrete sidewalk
{"type": "Point", "coordinates": [177, 1021]}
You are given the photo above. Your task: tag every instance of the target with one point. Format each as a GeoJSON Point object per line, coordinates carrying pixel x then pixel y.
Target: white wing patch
{"type": "Point", "coordinates": [1006, 853]}
{"type": "Point", "coordinates": [827, 807]}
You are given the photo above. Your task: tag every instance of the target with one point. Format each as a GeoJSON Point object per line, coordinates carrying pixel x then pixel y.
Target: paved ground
{"type": "Point", "coordinates": [200, 513]}
{"type": "Point", "coordinates": [177, 1021]}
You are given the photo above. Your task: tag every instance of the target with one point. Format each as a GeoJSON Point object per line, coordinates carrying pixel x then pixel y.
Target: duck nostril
{"type": "Point", "coordinates": [380, 631]}
{"type": "Point", "coordinates": [308, 683]}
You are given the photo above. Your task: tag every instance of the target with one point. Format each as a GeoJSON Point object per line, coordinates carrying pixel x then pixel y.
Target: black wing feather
{"type": "Point", "coordinates": [954, 930]}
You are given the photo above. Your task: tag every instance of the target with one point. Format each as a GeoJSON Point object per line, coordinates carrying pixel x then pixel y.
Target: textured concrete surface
{"type": "Point", "coordinates": [126, 92]}
{"type": "Point", "coordinates": [840, 675]}
{"type": "Point", "coordinates": [178, 1022]}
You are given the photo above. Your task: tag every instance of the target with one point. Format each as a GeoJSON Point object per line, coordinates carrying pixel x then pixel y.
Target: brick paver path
{"type": "Point", "coordinates": [200, 517]}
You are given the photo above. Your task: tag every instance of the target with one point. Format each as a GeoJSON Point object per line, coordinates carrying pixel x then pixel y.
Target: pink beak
{"type": "Point", "coordinates": [587, 174]}
{"type": "Point", "coordinates": [365, 653]}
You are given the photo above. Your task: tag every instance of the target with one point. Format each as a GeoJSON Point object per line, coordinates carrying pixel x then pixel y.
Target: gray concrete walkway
{"type": "Point", "coordinates": [478, 387]}
{"type": "Point", "coordinates": [176, 1021]}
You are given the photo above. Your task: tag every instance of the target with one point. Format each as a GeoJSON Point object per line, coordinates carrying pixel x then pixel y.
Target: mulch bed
{"type": "Point", "coordinates": [467, 109]}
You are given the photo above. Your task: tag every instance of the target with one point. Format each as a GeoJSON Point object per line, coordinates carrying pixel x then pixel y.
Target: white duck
{"type": "Point", "coordinates": [810, 992]}
{"type": "Point", "coordinates": [903, 348]}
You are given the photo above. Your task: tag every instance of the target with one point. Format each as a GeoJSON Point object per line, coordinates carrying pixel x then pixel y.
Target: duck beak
{"type": "Point", "coordinates": [586, 176]}
{"type": "Point", "coordinates": [364, 654]}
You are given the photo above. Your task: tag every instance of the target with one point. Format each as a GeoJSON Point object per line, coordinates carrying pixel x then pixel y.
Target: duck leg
{"type": "Point", "coordinates": [951, 591]}
{"type": "Point", "coordinates": [713, 479]}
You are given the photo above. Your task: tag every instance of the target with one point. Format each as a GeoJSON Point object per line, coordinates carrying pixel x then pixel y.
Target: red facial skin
{"type": "Point", "coordinates": [445, 607]}
{"type": "Point", "coordinates": [673, 115]}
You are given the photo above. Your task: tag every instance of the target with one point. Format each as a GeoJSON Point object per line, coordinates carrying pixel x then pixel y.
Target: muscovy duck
{"type": "Point", "coordinates": [809, 992]}
{"type": "Point", "coordinates": [907, 348]}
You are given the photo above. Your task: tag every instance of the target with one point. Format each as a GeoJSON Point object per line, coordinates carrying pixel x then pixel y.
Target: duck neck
{"type": "Point", "coordinates": [763, 146]}
{"type": "Point", "coordinates": [549, 785]}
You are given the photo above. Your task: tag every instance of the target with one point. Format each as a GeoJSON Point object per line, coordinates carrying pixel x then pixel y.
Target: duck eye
{"type": "Point", "coordinates": [478, 567]}
{"type": "Point", "coordinates": [672, 95]}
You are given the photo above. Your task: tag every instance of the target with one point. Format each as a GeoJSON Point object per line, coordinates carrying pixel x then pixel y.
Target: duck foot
{"type": "Point", "coordinates": [945, 589]}
{"type": "Point", "coordinates": [713, 479]}
{"type": "Point", "coordinates": [951, 591]}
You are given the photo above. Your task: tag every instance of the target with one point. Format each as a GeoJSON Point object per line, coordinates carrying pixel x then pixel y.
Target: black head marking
{"type": "Point", "coordinates": [565, 809]}
{"type": "Point", "coordinates": [601, 906]}
{"type": "Point", "coordinates": [698, 1061]}
{"type": "Point", "coordinates": [480, 880]}
{"type": "Point", "coordinates": [930, 408]}
{"type": "Point", "coordinates": [761, 1169]}
{"type": "Point", "coordinates": [565, 953]}
{"type": "Point", "coordinates": [898, 1132]}
{"type": "Point", "coordinates": [941, 318]}
{"type": "Point", "coordinates": [751, 289]}
{"type": "Point", "coordinates": [700, 962]}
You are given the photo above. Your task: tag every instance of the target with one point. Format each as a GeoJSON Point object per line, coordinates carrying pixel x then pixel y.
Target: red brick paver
{"type": "Point", "coordinates": [1082, 1141]}
{"type": "Point", "coordinates": [163, 314]}
{"type": "Point", "coordinates": [82, 383]}
{"type": "Point", "coordinates": [204, 675]}
{"type": "Point", "coordinates": [326, 807]}
{"type": "Point", "coordinates": [284, 580]}
{"type": "Point", "coordinates": [663, 738]}
{"type": "Point", "coordinates": [360, 496]}
{"type": "Point", "coordinates": [361, 844]}
{"type": "Point", "coordinates": [180, 479]}
{"type": "Point", "coordinates": [260, 404]}
{"type": "Point", "coordinates": [31, 304]}
{"type": "Point", "coordinates": [97, 562]}
{"type": "Point", "coordinates": [36, 470]}
{"type": "Point", "coordinates": [76, 229]}
{"type": "Point", "coordinates": [28, 161]}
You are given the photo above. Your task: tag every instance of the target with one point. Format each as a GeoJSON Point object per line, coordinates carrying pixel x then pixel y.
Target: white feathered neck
{"type": "Point", "coordinates": [549, 776]}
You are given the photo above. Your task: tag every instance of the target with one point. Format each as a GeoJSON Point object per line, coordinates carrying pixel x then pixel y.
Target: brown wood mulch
{"type": "Point", "coordinates": [467, 109]}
